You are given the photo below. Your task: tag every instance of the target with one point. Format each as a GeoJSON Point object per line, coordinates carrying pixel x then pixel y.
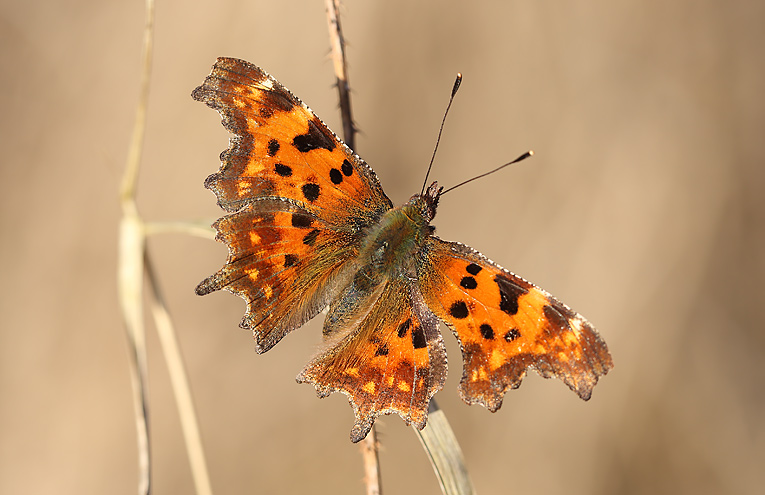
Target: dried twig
{"type": "Point", "coordinates": [371, 457]}
{"type": "Point", "coordinates": [369, 446]}
{"type": "Point", "coordinates": [437, 438]}
{"type": "Point", "coordinates": [337, 43]}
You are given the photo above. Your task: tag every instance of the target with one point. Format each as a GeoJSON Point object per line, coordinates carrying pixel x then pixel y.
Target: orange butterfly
{"type": "Point", "coordinates": [309, 226]}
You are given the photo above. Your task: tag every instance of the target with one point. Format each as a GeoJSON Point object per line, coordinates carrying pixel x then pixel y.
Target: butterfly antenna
{"type": "Point", "coordinates": [522, 157]}
{"type": "Point", "coordinates": [456, 86]}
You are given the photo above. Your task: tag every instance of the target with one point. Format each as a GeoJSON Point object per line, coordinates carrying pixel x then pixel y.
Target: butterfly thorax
{"type": "Point", "coordinates": [400, 233]}
{"type": "Point", "coordinates": [391, 244]}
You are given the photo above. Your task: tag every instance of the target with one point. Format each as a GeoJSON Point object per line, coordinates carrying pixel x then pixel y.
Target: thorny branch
{"type": "Point", "coordinates": [369, 446]}
{"type": "Point", "coordinates": [437, 438]}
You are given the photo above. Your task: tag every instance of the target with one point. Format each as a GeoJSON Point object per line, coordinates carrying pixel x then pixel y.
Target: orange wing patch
{"type": "Point", "coordinates": [276, 265]}
{"type": "Point", "coordinates": [280, 148]}
{"type": "Point", "coordinates": [507, 325]}
{"type": "Point", "coordinates": [392, 361]}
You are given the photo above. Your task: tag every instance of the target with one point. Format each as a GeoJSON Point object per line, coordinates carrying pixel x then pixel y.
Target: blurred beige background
{"type": "Point", "coordinates": [643, 209]}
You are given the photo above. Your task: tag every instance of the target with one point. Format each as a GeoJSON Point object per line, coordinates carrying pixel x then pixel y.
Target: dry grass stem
{"type": "Point", "coordinates": [130, 290]}
{"type": "Point", "coordinates": [439, 442]}
{"type": "Point", "coordinates": [130, 265]}
{"type": "Point", "coordinates": [198, 229]}
{"type": "Point", "coordinates": [132, 261]}
{"type": "Point", "coordinates": [180, 384]}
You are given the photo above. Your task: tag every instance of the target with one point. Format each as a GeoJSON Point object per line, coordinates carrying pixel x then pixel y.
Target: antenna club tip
{"type": "Point", "coordinates": [457, 83]}
{"type": "Point", "coordinates": [531, 152]}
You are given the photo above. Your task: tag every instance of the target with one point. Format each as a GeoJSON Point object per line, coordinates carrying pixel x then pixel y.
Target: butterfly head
{"type": "Point", "coordinates": [427, 203]}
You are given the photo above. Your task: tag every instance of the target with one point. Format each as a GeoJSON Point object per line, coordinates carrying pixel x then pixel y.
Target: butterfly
{"type": "Point", "coordinates": [309, 226]}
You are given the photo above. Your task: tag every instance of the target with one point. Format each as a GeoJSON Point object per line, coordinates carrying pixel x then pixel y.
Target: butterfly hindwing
{"type": "Point", "coordinates": [384, 351]}
{"type": "Point", "coordinates": [506, 325]}
{"type": "Point", "coordinates": [282, 261]}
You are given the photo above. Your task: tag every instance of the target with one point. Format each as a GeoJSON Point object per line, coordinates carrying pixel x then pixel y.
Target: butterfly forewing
{"type": "Point", "coordinates": [280, 148]}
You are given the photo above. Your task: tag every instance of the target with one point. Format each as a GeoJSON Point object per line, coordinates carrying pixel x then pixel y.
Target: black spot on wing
{"type": "Point", "coordinates": [468, 283]}
{"type": "Point", "coordinates": [347, 168]}
{"type": "Point", "coordinates": [311, 191]}
{"type": "Point", "coordinates": [382, 350]}
{"type": "Point", "coordinates": [403, 328]}
{"type": "Point", "coordinates": [487, 331]}
{"type": "Point", "coordinates": [290, 260]}
{"type": "Point", "coordinates": [301, 221]}
{"type": "Point", "coordinates": [512, 334]}
{"type": "Point", "coordinates": [283, 170]}
{"type": "Point", "coordinates": [316, 137]}
{"type": "Point", "coordinates": [509, 293]}
{"type": "Point", "coordinates": [418, 338]}
{"type": "Point", "coordinates": [473, 269]}
{"type": "Point", "coordinates": [273, 147]}
{"type": "Point", "coordinates": [335, 176]}
{"type": "Point", "coordinates": [459, 310]}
